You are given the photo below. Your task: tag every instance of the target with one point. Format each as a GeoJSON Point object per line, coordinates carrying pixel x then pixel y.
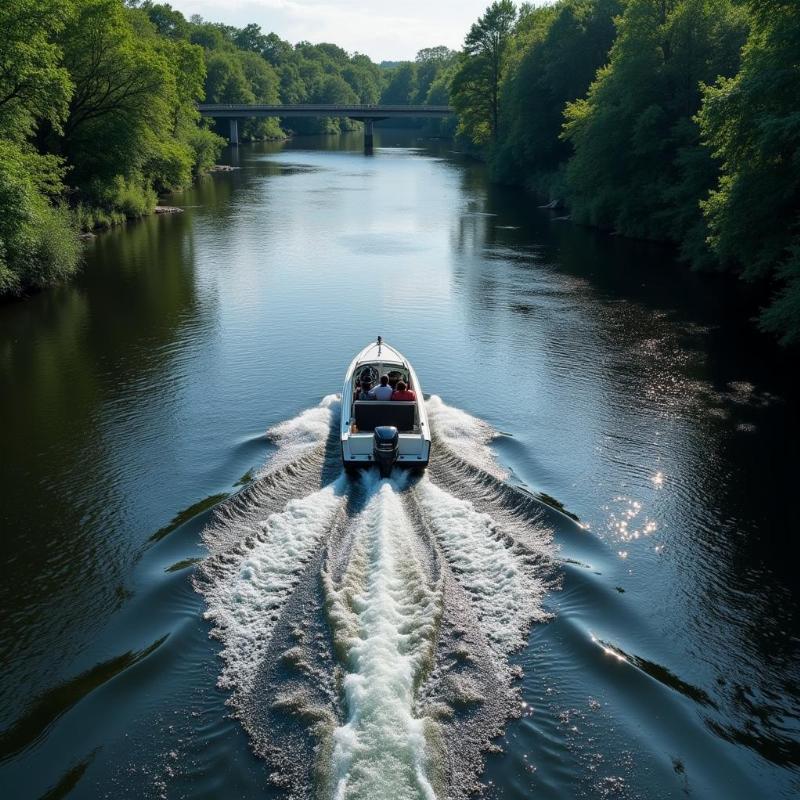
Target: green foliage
{"type": "Point", "coordinates": [650, 118]}
{"type": "Point", "coordinates": [402, 87]}
{"type": "Point", "coordinates": [436, 67]}
{"type": "Point", "coordinates": [751, 122]}
{"type": "Point", "coordinates": [33, 83]}
{"type": "Point", "coordinates": [424, 81]}
{"type": "Point", "coordinates": [637, 149]}
{"type": "Point", "coordinates": [38, 242]}
{"type": "Point", "coordinates": [166, 20]}
{"type": "Point", "coordinates": [554, 55]}
{"type": "Point", "coordinates": [131, 124]}
{"type": "Point", "coordinates": [476, 84]}
{"type": "Point", "coordinates": [107, 96]}
{"type": "Point", "coordinates": [225, 79]}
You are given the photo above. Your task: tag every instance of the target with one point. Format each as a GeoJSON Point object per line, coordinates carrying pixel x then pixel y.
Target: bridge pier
{"type": "Point", "coordinates": [368, 136]}
{"type": "Point", "coordinates": [234, 137]}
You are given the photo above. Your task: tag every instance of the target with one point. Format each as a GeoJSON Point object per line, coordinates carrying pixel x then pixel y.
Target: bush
{"type": "Point", "coordinates": [206, 147]}
{"type": "Point", "coordinates": [39, 243]}
{"type": "Point", "coordinates": [170, 166]}
{"type": "Point", "coordinates": [114, 201]}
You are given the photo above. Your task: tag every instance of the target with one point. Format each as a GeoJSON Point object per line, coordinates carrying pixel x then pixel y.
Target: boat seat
{"type": "Point", "coordinates": [369, 414]}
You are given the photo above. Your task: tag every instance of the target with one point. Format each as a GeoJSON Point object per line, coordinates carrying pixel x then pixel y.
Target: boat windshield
{"type": "Point", "coordinates": [372, 371]}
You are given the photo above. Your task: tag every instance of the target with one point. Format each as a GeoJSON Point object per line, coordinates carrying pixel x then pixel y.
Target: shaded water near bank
{"type": "Point", "coordinates": [662, 658]}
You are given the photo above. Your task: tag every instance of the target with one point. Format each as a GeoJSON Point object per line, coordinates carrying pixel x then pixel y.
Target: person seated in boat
{"type": "Point", "coordinates": [402, 392]}
{"type": "Point", "coordinates": [366, 390]}
{"type": "Point", "coordinates": [382, 391]}
{"type": "Point", "coordinates": [394, 376]}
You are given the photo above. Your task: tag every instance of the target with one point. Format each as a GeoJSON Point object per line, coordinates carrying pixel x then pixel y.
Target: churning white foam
{"type": "Point", "coordinates": [504, 589]}
{"type": "Point", "coordinates": [466, 436]}
{"type": "Point", "coordinates": [384, 604]}
{"type": "Point", "coordinates": [249, 589]}
{"type": "Point", "coordinates": [384, 615]}
{"type": "Point", "coordinates": [298, 436]}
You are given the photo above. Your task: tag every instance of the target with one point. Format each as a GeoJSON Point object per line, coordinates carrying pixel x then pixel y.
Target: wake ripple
{"type": "Point", "coordinates": [366, 625]}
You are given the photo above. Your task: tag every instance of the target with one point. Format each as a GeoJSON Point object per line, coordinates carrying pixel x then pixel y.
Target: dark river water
{"type": "Point", "coordinates": [166, 473]}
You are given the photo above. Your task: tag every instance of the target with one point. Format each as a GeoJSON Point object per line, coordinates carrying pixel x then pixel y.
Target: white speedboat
{"type": "Point", "coordinates": [383, 432]}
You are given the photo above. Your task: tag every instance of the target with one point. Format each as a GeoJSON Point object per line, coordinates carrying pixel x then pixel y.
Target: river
{"type": "Point", "coordinates": [639, 642]}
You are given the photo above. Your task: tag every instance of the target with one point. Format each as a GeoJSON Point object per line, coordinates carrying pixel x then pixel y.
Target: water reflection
{"type": "Point", "coordinates": [78, 363]}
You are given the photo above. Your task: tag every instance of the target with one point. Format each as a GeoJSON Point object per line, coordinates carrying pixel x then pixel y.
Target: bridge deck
{"type": "Point", "coordinates": [374, 112]}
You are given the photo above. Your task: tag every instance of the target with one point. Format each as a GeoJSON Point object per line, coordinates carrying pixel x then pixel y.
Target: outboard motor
{"type": "Point", "coordinates": [385, 448]}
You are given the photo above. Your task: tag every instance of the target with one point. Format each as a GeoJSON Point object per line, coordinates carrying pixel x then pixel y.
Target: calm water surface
{"type": "Point", "coordinates": [623, 390]}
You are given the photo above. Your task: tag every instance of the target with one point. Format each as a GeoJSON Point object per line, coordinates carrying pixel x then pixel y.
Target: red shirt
{"type": "Point", "coordinates": [406, 394]}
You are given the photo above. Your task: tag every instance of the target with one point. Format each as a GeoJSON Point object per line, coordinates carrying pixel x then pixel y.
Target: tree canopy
{"type": "Point", "coordinates": [751, 124]}
{"type": "Point", "coordinates": [476, 84]}
{"type": "Point", "coordinates": [671, 120]}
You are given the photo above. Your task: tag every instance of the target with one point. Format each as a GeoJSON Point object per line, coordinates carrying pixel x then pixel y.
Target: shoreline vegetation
{"type": "Point", "coordinates": [98, 114]}
{"type": "Point", "coordinates": [673, 121]}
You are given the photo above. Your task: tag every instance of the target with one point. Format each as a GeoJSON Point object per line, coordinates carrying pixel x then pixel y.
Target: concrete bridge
{"type": "Point", "coordinates": [368, 114]}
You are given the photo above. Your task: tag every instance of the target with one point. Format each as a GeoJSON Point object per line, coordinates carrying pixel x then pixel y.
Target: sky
{"type": "Point", "coordinates": [386, 30]}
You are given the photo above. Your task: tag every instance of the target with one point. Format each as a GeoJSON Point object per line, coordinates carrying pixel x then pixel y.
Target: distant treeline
{"type": "Point", "coordinates": [669, 120]}
{"type": "Point", "coordinates": [98, 112]}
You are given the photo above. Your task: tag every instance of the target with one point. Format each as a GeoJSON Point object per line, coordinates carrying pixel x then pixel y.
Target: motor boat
{"type": "Point", "coordinates": [384, 433]}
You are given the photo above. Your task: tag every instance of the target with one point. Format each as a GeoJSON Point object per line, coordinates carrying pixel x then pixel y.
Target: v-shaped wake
{"type": "Point", "coordinates": [366, 624]}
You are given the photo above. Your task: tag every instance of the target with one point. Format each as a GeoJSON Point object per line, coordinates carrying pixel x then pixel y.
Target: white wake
{"type": "Point", "coordinates": [384, 615]}
{"type": "Point", "coordinates": [386, 605]}
{"type": "Point", "coordinates": [504, 590]}
{"type": "Point", "coordinates": [465, 435]}
{"type": "Point", "coordinates": [250, 589]}
{"type": "Point", "coordinates": [300, 435]}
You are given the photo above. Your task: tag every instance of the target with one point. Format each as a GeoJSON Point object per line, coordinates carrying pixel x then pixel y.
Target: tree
{"type": "Point", "coordinates": [169, 22]}
{"type": "Point", "coordinates": [100, 93]}
{"type": "Point", "coordinates": [402, 86]}
{"type": "Point", "coordinates": [34, 85]}
{"type": "Point", "coordinates": [431, 62]}
{"type": "Point", "coordinates": [334, 90]}
{"type": "Point", "coordinates": [250, 38]}
{"type": "Point", "coordinates": [554, 55]}
{"type": "Point", "coordinates": [363, 80]}
{"type": "Point", "coordinates": [135, 92]}
{"type": "Point", "coordinates": [264, 85]}
{"type": "Point", "coordinates": [434, 55]}
{"type": "Point", "coordinates": [476, 85]}
{"type": "Point", "coordinates": [638, 159]}
{"type": "Point", "coordinates": [226, 81]}
{"type": "Point", "coordinates": [208, 35]}
{"type": "Point", "coordinates": [121, 84]}
{"type": "Point", "coordinates": [276, 50]}
{"type": "Point", "coordinates": [751, 122]}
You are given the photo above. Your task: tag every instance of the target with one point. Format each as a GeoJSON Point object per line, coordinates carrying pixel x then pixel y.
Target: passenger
{"type": "Point", "coordinates": [403, 393]}
{"type": "Point", "coordinates": [382, 392]}
{"type": "Point", "coordinates": [366, 390]}
{"type": "Point", "coordinates": [393, 378]}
